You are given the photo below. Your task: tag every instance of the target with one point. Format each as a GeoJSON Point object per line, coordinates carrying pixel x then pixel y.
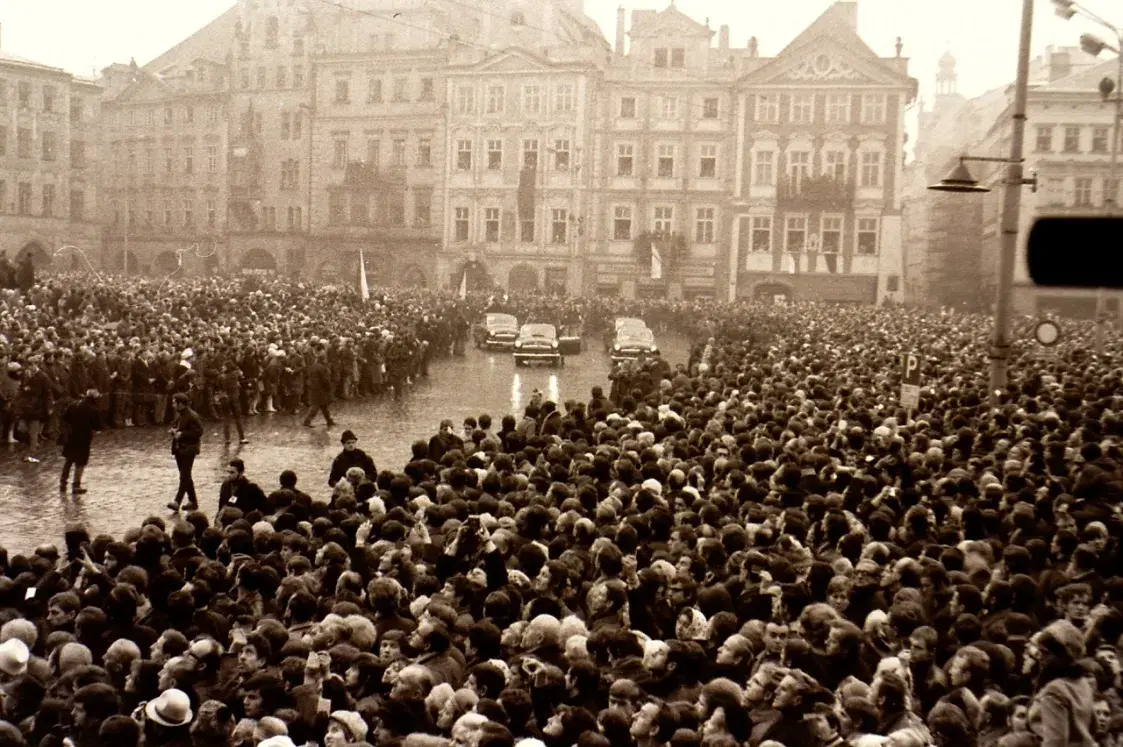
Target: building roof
{"type": "Point", "coordinates": [840, 22]}
{"type": "Point", "coordinates": [651, 23]}
{"type": "Point", "coordinates": [11, 59]}
{"type": "Point", "coordinates": [210, 42]}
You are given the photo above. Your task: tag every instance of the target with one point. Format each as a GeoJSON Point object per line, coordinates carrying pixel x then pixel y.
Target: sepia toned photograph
{"type": "Point", "coordinates": [561, 373]}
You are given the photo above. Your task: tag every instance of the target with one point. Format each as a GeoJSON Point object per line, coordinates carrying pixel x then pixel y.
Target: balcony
{"type": "Point", "coordinates": [820, 193]}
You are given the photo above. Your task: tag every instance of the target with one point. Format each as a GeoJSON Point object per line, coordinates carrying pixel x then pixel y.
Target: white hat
{"type": "Point", "coordinates": [188, 353]}
{"type": "Point", "coordinates": [277, 741]}
{"type": "Point", "coordinates": [171, 708]}
{"type": "Point", "coordinates": [14, 656]}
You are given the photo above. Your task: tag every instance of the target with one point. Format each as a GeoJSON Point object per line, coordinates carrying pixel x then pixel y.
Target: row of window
{"type": "Point", "coordinates": [833, 108]}
{"type": "Point", "coordinates": [170, 213]}
{"type": "Point", "coordinates": [791, 233]}
{"type": "Point", "coordinates": [168, 115]}
{"type": "Point", "coordinates": [669, 106]}
{"type": "Point", "coordinates": [832, 164]}
{"type": "Point", "coordinates": [50, 99]}
{"type": "Point", "coordinates": [399, 90]}
{"type": "Point", "coordinates": [1085, 191]}
{"type": "Point", "coordinates": [495, 224]}
{"type": "Point", "coordinates": [663, 221]}
{"type": "Point", "coordinates": [398, 155]}
{"type": "Point", "coordinates": [284, 78]}
{"type": "Point", "coordinates": [562, 153]}
{"type": "Point", "coordinates": [1071, 139]}
{"type": "Point", "coordinates": [48, 146]}
{"type": "Point", "coordinates": [363, 209]}
{"type": "Point", "coordinates": [169, 160]}
{"type": "Point", "coordinates": [48, 202]}
{"type": "Point", "coordinates": [535, 98]}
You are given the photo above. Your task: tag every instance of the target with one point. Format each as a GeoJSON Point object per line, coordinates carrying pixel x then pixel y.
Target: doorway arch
{"type": "Point", "coordinates": [40, 258]}
{"type": "Point", "coordinates": [258, 261]}
{"type": "Point", "coordinates": [414, 277]}
{"type": "Point", "coordinates": [522, 279]}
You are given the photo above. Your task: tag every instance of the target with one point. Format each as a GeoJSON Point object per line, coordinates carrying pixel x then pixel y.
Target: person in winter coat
{"type": "Point", "coordinates": [186, 435]}
{"type": "Point", "coordinates": [351, 456]}
{"type": "Point", "coordinates": [320, 390]}
{"type": "Point", "coordinates": [1061, 712]}
{"type": "Point", "coordinates": [80, 422]}
{"type": "Point", "coordinates": [34, 400]}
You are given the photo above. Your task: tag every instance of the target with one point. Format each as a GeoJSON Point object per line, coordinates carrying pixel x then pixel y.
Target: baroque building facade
{"type": "Point", "coordinates": [49, 144]}
{"type": "Point", "coordinates": [816, 204]}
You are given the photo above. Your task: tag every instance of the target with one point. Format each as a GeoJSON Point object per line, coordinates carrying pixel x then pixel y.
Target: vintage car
{"type": "Point", "coordinates": [621, 322]}
{"type": "Point", "coordinates": [497, 331]}
{"type": "Point", "coordinates": [538, 342]}
{"type": "Point", "coordinates": [631, 342]}
{"type": "Point", "coordinates": [569, 339]}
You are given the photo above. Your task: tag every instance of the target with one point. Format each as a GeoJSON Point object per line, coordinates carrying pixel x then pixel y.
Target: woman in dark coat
{"type": "Point", "coordinates": [80, 421]}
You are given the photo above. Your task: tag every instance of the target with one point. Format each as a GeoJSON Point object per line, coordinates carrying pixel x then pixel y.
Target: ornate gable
{"type": "Point", "coordinates": [827, 62]}
{"type": "Point", "coordinates": [511, 61]}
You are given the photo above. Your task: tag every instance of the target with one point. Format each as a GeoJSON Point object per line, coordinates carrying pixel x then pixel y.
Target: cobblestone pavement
{"type": "Point", "coordinates": [132, 475]}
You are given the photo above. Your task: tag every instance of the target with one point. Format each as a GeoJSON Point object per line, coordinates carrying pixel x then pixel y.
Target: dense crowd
{"type": "Point", "coordinates": [760, 547]}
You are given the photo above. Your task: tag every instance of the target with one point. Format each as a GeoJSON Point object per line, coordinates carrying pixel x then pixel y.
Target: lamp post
{"type": "Point", "coordinates": [1011, 212]}
{"type": "Point", "coordinates": [1094, 46]}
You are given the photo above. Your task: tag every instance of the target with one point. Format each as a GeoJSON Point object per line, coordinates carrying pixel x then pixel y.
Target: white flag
{"type": "Point", "coordinates": [464, 284]}
{"type": "Point", "coordinates": [364, 289]}
{"type": "Point", "coordinates": [656, 261]}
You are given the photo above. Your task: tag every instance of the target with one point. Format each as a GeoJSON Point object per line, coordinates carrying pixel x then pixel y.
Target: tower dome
{"type": "Point", "coordinates": [946, 77]}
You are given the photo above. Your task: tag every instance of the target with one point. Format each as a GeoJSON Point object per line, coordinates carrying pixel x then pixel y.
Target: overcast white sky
{"type": "Point", "coordinates": [84, 35]}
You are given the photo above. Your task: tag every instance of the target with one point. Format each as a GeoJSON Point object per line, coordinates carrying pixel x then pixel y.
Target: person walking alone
{"type": "Point", "coordinates": [186, 435]}
{"type": "Point", "coordinates": [319, 390]}
{"type": "Point", "coordinates": [80, 422]}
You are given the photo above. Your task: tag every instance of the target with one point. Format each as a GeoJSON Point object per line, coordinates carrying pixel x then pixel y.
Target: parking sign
{"type": "Point", "coordinates": [910, 381]}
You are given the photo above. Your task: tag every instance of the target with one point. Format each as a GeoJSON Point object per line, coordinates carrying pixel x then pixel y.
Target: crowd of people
{"type": "Point", "coordinates": [760, 547]}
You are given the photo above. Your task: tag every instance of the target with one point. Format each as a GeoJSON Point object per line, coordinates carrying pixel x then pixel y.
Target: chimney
{"type": "Point", "coordinates": [723, 37]}
{"type": "Point", "coordinates": [1060, 65]}
{"type": "Point", "coordinates": [753, 49]}
{"type": "Point", "coordinates": [620, 22]}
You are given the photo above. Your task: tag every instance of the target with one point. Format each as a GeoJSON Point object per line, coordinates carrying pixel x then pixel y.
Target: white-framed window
{"type": "Point", "coordinates": [799, 168]}
{"type": "Point", "coordinates": [670, 57]}
{"type": "Point", "coordinates": [424, 152]}
{"type": "Point", "coordinates": [462, 223]}
{"type": "Point", "coordinates": [491, 225]}
{"type": "Point", "coordinates": [627, 107]}
{"type": "Point", "coordinates": [867, 235]}
{"type": "Point", "coordinates": [463, 155]}
{"type": "Point", "coordinates": [663, 219]}
{"type": "Point", "coordinates": [795, 233]}
{"type": "Point", "coordinates": [760, 235]}
{"type": "Point", "coordinates": [374, 91]}
{"type": "Point", "coordinates": [561, 155]}
{"type": "Point", "coordinates": [532, 99]}
{"type": "Point", "coordinates": [559, 225]}
{"type": "Point", "coordinates": [339, 153]}
{"type": "Point", "coordinates": [830, 234]}
{"type": "Point", "coordinates": [873, 108]}
{"type": "Point", "coordinates": [465, 100]}
{"type": "Point", "coordinates": [707, 161]}
{"type": "Point", "coordinates": [1100, 139]}
{"type": "Point", "coordinates": [622, 223]}
{"type": "Point", "coordinates": [398, 152]}
{"type": "Point", "coordinates": [1083, 192]}
{"type": "Point", "coordinates": [526, 229]}
{"type": "Point", "coordinates": [494, 155]}
{"type": "Point", "coordinates": [169, 217]}
{"type": "Point", "coordinates": [704, 225]}
{"type": "Point", "coordinates": [665, 161]}
{"type": "Point", "coordinates": [401, 90]}
{"type": "Point", "coordinates": [870, 174]}
{"type": "Point", "coordinates": [1072, 140]}
{"type": "Point", "coordinates": [711, 107]}
{"type": "Point", "coordinates": [834, 165]}
{"type": "Point", "coordinates": [342, 91]}
{"type": "Point", "coordinates": [838, 108]}
{"type": "Point", "coordinates": [169, 161]}
{"type": "Point", "coordinates": [767, 108]}
{"type": "Point", "coordinates": [495, 96]}
{"type": "Point", "coordinates": [188, 212]}
{"type": "Point", "coordinates": [530, 153]}
{"type": "Point", "coordinates": [669, 107]}
{"type": "Point", "coordinates": [764, 167]}
{"type": "Point", "coordinates": [212, 159]}
{"type": "Point", "coordinates": [625, 159]}
{"type": "Point", "coordinates": [563, 97]}
{"type": "Point", "coordinates": [1043, 143]}
{"type": "Point", "coordinates": [803, 108]}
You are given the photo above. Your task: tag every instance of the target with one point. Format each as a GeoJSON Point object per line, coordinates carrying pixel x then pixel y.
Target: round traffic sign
{"type": "Point", "coordinates": [1047, 333]}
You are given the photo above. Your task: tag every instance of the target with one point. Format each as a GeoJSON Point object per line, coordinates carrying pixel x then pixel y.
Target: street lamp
{"type": "Point", "coordinates": [1095, 46]}
{"type": "Point", "coordinates": [959, 179]}
{"type": "Point", "coordinates": [1011, 211]}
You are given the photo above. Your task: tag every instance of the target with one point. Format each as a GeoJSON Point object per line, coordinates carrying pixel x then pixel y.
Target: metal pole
{"type": "Point", "coordinates": [1011, 213]}
{"type": "Point", "coordinates": [1111, 200]}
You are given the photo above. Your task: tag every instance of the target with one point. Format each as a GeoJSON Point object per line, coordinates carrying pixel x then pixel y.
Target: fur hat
{"type": "Point", "coordinates": [353, 723]}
